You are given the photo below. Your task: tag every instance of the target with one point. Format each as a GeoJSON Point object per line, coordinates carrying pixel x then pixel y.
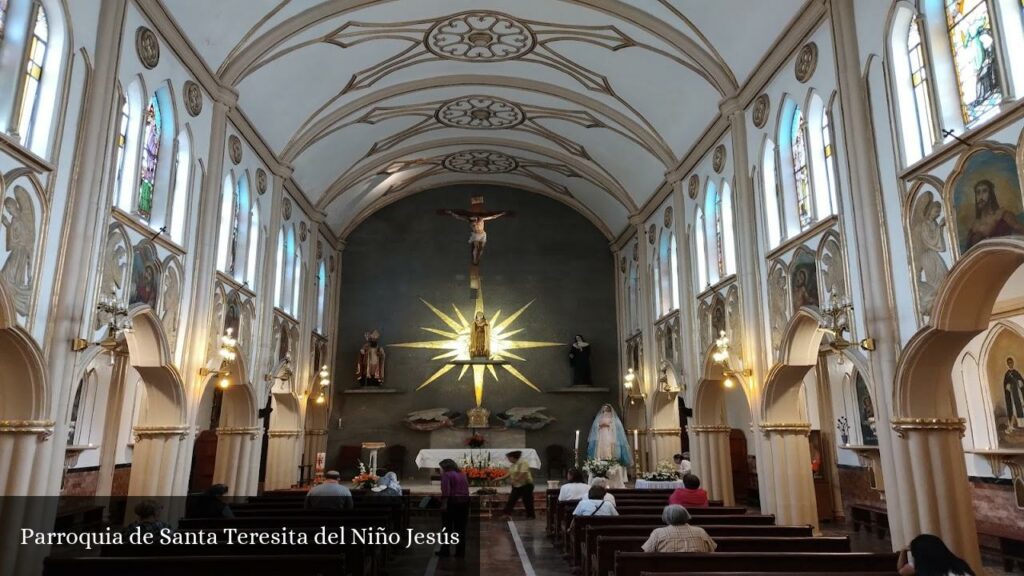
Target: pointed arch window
{"type": "Point", "coordinates": [719, 237]}
{"type": "Point", "coordinates": [279, 271]}
{"type": "Point", "coordinates": [973, 43]}
{"type": "Point", "coordinates": [297, 285]}
{"type": "Point", "coordinates": [702, 255]}
{"type": "Point", "coordinates": [321, 297]}
{"type": "Point", "coordinates": [36, 58]}
{"type": "Point", "coordinates": [150, 159]}
{"type": "Point", "coordinates": [122, 140]}
{"type": "Point", "coordinates": [829, 152]}
{"type": "Point", "coordinates": [919, 82]}
{"type": "Point", "coordinates": [674, 273]}
{"type": "Point", "coordinates": [801, 174]}
{"type": "Point", "coordinates": [773, 207]}
{"type": "Point", "coordinates": [228, 225]}
{"type": "Point", "coordinates": [254, 246]}
{"type": "Point", "coordinates": [727, 243]}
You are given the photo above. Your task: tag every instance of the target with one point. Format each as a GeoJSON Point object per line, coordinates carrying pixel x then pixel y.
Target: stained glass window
{"type": "Point", "coordinates": [702, 255]}
{"type": "Point", "coordinates": [719, 237]}
{"type": "Point", "coordinates": [830, 160]}
{"type": "Point", "coordinates": [800, 172]}
{"type": "Point", "coordinates": [236, 229]}
{"type": "Point", "coordinates": [3, 18]}
{"type": "Point", "coordinates": [122, 140]}
{"type": "Point", "coordinates": [33, 73]}
{"type": "Point", "coordinates": [150, 157]}
{"type": "Point", "coordinates": [974, 57]}
{"type": "Point", "coordinates": [919, 82]}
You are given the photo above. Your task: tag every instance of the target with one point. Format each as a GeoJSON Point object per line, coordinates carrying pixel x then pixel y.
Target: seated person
{"type": "Point", "coordinates": [575, 487]}
{"type": "Point", "coordinates": [682, 461]}
{"type": "Point", "coordinates": [387, 485]}
{"type": "Point", "coordinates": [691, 495]}
{"type": "Point", "coordinates": [147, 512]}
{"type": "Point", "coordinates": [330, 495]}
{"type": "Point", "coordinates": [928, 554]}
{"type": "Point", "coordinates": [603, 483]}
{"type": "Point", "coordinates": [677, 535]}
{"type": "Point", "coordinates": [595, 504]}
{"type": "Point", "coordinates": [210, 503]}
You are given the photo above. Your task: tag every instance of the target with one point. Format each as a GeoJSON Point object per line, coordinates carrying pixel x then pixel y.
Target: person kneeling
{"type": "Point", "coordinates": [678, 535]}
{"type": "Point", "coordinates": [595, 504]}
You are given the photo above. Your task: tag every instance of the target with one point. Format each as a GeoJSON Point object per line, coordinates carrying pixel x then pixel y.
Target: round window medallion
{"type": "Point", "coordinates": [718, 158]}
{"type": "Point", "coordinates": [806, 62]}
{"type": "Point", "coordinates": [668, 217]}
{"type": "Point", "coordinates": [480, 162]}
{"type": "Point", "coordinates": [147, 47]}
{"type": "Point", "coordinates": [693, 187]}
{"type": "Point", "coordinates": [193, 96]}
{"type": "Point", "coordinates": [261, 181]}
{"type": "Point", "coordinates": [303, 231]}
{"type": "Point", "coordinates": [480, 113]}
{"type": "Point", "coordinates": [235, 149]}
{"type": "Point", "coordinates": [479, 37]}
{"type": "Point", "coordinates": [761, 106]}
{"type": "Point", "coordinates": [287, 209]}
{"type": "Point", "coordinates": [650, 232]}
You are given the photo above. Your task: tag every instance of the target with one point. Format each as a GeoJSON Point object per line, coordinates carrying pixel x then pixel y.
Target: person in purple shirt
{"type": "Point", "coordinates": [454, 505]}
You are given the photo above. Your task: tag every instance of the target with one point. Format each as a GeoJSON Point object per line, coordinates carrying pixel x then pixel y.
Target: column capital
{"type": "Point", "coordinates": [144, 431]}
{"type": "Point", "coordinates": [731, 105]}
{"type": "Point", "coordinates": [277, 433]}
{"type": "Point", "coordinates": [44, 428]}
{"type": "Point", "coordinates": [711, 429]}
{"type": "Point", "coordinates": [240, 430]}
{"type": "Point", "coordinates": [903, 425]}
{"type": "Point", "coordinates": [803, 428]}
{"type": "Point", "coordinates": [636, 220]}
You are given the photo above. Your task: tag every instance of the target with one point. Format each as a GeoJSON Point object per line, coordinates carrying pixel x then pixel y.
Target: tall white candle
{"type": "Point", "coordinates": [577, 443]}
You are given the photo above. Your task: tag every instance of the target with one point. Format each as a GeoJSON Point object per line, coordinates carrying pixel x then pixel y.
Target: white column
{"type": "Point", "coordinates": [154, 460]}
{"type": "Point", "coordinates": [714, 464]}
{"type": "Point", "coordinates": [282, 468]}
{"type": "Point", "coordinates": [21, 443]}
{"type": "Point", "coordinates": [112, 425]}
{"type": "Point", "coordinates": [234, 457]}
{"type": "Point", "coordinates": [792, 482]}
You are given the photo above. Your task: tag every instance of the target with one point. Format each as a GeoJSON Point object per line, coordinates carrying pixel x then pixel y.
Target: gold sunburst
{"type": "Point", "coordinates": [454, 342]}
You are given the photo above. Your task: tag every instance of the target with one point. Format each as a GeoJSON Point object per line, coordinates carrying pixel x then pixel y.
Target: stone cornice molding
{"type": "Point", "coordinates": [44, 428]}
{"type": "Point", "coordinates": [711, 429]}
{"type": "Point", "coordinates": [144, 431]}
{"type": "Point", "coordinates": [284, 433]}
{"type": "Point", "coordinates": [242, 430]}
{"type": "Point", "coordinates": [320, 432]}
{"type": "Point", "coordinates": [803, 428]}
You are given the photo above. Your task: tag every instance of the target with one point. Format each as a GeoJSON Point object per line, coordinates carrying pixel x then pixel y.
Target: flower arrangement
{"type": "Point", "coordinates": [475, 441]}
{"type": "Point", "coordinates": [843, 425]}
{"type": "Point", "coordinates": [665, 472]}
{"type": "Point", "coordinates": [480, 472]}
{"type": "Point", "coordinates": [365, 479]}
{"type": "Point", "coordinates": [599, 467]}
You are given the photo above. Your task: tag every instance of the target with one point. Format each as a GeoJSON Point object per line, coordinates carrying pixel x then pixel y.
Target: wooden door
{"type": "Point", "coordinates": [204, 458]}
{"type": "Point", "coordinates": [740, 464]}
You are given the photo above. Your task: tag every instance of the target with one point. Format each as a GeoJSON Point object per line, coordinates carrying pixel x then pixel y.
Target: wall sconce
{"type": "Point", "coordinates": [629, 385]}
{"type": "Point", "coordinates": [325, 384]}
{"type": "Point", "coordinates": [721, 357]}
{"type": "Point", "coordinates": [228, 354]}
{"type": "Point", "coordinates": [118, 324]}
{"type": "Point", "coordinates": [835, 321]}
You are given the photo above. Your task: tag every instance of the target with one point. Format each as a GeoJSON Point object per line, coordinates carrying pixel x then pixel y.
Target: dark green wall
{"type": "Point", "coordinates": [547, 253]}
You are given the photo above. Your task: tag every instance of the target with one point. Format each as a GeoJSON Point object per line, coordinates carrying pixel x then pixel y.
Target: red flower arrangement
{"type": "Point", "coordinates": [475, 441]}
{"type": "Point", "coordinates": [485, 476]}
{"type": "Point", "coordinates": [365, 479]}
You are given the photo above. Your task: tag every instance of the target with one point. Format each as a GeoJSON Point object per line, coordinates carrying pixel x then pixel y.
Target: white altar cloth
{"type": "Point", "coordinates": [431, 457]}
{"type": "Point", "coordinates": [657, 484]}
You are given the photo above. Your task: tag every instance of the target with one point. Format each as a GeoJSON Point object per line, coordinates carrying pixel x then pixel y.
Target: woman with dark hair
{"type": "Point", "coordinates": [575, 487]}
{"type": "Point", "coordinates": [454, 505]}
{"type": "Point", "coordinates": [929, 556]}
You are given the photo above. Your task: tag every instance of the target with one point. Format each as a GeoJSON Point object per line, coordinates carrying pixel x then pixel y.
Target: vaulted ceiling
{"type": "Point", "coordinates": [587, 101]}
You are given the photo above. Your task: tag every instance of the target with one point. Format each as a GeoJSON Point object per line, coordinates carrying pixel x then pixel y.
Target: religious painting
{"type": "Point", "coordinates": [866, 413]}
{"type": "Point", "coordinates": [283, 346]}
{"type": "Point", "coordinates": [233, 314]}
{"type": "Point", "coordinates": [985, 197]}
{"type": "Point", "coordinates": [1004, 353]}
{"type": "Point", "coordinates": [928, 246]}
{"type": "Point", "coordinates": [717, 318]}
{"type": "Point", "coordinates": [803, 280]}
{"type": "Point", "coordinates": [145, 277]}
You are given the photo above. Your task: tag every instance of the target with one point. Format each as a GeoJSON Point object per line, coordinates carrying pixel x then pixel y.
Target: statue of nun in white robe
{"type": "Point", "coordinates": [607, 441]}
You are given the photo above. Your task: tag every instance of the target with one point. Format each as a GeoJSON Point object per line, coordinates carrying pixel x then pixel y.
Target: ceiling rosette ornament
{"type": "Point", "coordinates": [147, 47]}
{"type": "Point", "coordinates": [193, 98]}
{"type": "Point", "coordinates": [806, 62]}
{"type": "Point", "coordinates": [693, 187]}
{"type": "Point", "coordinates": [480, 37]}
{"type": "Point", "coordinates": [287, 209]}
{"type": "Point", "coordinates": [668, 217]}
{"type": "Point", "coordinates": [480, 162]}
{"type": "Point", "coordinates": [761, 107]}
{"type": "Point", "coordinates": [261, 181]}
{"type": "Point", "coordinates": [650, 232]}
{"type": "Point", "coordinates": [480, 113]}
{"type": "Point", "coordinates": [718, 158]}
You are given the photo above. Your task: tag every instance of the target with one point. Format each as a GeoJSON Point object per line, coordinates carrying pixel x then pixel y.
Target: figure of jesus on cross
{"type": "Point", "coordinates": [476, 216]}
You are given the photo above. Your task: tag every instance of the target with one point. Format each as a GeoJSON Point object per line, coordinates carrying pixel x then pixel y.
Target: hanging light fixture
{"type": "Point", "coordinates": [228, 353]}
{"type": "Point", "coordinates": [721, 357]}
{"type": "Point", "coordinates": [118, 323]}
{"type": "Point", "coordinates": [835, 321]}
{"type": "Point", "coordinates": [325, 384]}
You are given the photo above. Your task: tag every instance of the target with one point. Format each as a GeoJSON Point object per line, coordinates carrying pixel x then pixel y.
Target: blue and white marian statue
{"type": "Point", "coordinates": [607, 441]}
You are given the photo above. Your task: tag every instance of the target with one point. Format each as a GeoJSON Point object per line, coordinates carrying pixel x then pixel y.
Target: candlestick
{"type": "Point", "coordinates": [636, 440]}
{"type": "Point", "coordinates": [576, 449]}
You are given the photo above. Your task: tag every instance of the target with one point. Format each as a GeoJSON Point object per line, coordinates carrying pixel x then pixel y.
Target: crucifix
{"type": "Point", "coordinates": [476, 216]}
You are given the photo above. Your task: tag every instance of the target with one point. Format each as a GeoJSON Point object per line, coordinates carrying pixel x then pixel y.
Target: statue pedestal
{"type": "Point", "coordinates": [493, 437]}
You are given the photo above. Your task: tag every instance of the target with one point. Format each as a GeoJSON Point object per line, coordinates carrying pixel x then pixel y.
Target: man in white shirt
{"type": "Point", "coordinates": [595, 504]}
{"type": "Point", "coordinates": [683, 463]}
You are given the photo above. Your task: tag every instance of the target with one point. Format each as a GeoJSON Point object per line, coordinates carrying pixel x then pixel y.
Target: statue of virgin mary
{"type": "Point", "coordinates": [607, 438]}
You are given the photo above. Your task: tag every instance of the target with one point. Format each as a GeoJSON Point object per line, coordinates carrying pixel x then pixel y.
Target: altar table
{"type": "Point", "coordinates": [431, 457]}
{"type": "Point", "coordinates": [657, 484]}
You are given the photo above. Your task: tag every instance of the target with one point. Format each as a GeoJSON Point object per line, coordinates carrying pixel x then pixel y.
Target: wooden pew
{"type": "Point", "coordinates": [295, 522]}
{"type": "Point", "coordinates": [602, 559]}
{"type": "Point", "coordinates": [244, 565]}
{"type": "Point", "coordinates": [886, 573]}
{"type": "Point", "coordinates": [637, 563]}
{"type": "Point", "coordinates": [580, 523]}
{"type": "Point", "coordinates": [565, 510]}
{"type": "Point", "coordinates": [592, 533]}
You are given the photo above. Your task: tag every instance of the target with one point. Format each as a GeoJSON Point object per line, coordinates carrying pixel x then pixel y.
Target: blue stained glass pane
{"type": "Point", "coordinates": [150, 157]}
{"type": "Point", "coordinates": [919, 82]}
{"type": "Point", "coordinates": [974, 57]}
{"type": "Point", "coordinates": [719, 236]}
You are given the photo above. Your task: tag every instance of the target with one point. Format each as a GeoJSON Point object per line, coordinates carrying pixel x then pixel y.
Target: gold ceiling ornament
{"type": "Point", "coordinates": [480, 162]}
{"type": "Point", "coordinates": [718, 158]}
{"type": "Point", "coordinates": [261, 181]}
{"type": "Point", "coordinates": [806, 62]}
{"type": "Point", "coordinates": [693, 187]}
{"type": "Point", "coordinates": [147, 46]}
{"type": "Point", "coordinates": [480, 36]}
{"type": "Point", "coordinates": [193, 97]}
{"type": "Point", "coordinates": [455, 339]}
{"type": "Point", "coordinates": [651, 233]}
{"type": "Point", "coordinates": [902, 425]}
{"type": "Point", "coordinates": [668, 217]}
{"type": "Point", "coordinates": [235, 149]}
{"type": "Point", "coordinates": [762, 104]}
{"type": "Point", "coordinates": [480, 113]}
